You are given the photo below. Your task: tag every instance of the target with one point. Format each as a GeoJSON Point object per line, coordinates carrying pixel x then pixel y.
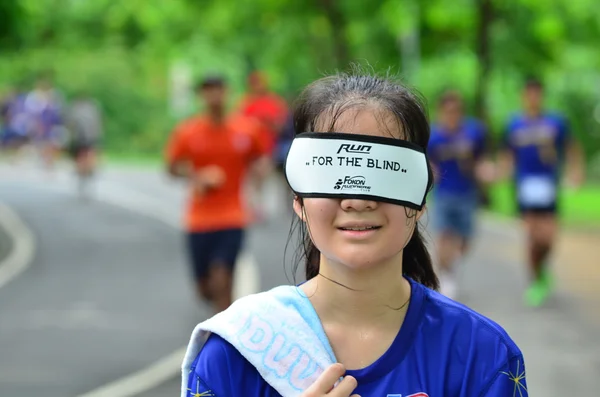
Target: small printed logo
{"type": "Point", "coordinates": [518, 378]}
{"type": "Point", "coordinates": [412, 395]}
{"type": "Point", "coordinates": [357, 182]}
{"type": "Point", "coordinates": [200, 389]}
{"type": "Point", "coordinates": [351, 148]}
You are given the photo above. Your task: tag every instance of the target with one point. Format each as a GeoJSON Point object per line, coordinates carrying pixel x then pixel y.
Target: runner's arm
{"type": "Point", "coordinates": [178, 165]}
{"type": "Point", "coordinates": [505, 160]}
{"type": "Point", "coordinates": [263, 166]}
{"type": "Point", "coordinates": [575, 163]}
{"type": "Point", "coordinates": [574, 154]}
{"type": "Point", "coordinates": [179, 169]}
{"type": "Point", "coordinates": [178, 158]}
{"type": "Point", "coordinates": [261, 162]}
{"type": "Point", "coordinates": [506, 164]}
{"type": "Point", "coordinates": [485, 168]}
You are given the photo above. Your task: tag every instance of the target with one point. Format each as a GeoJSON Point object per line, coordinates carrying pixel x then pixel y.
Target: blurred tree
{"type": "Point", "coordinates": [337, 20]}
{"type": "Point", "coordinates": [123, 51]}
{"type": "Point", "coordinates": [12, 16]}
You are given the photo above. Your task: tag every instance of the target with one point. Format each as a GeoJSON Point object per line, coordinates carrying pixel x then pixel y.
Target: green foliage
{"type": "Point", "coordinates": [121, 51]}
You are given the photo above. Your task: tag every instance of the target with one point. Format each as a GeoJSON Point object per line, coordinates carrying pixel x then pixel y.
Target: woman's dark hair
{"type": "Point", "coordinates": [328, 98]}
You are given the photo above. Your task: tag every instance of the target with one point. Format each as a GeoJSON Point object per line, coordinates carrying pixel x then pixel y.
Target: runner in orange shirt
{"type": "Point", "coordinates": [214, 151]}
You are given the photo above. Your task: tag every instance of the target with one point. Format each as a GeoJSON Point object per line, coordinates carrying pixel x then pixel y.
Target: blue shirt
{"type": "Point", "coordinates": [454, 154]}
{"type": "Point", "coordinates": [442, 349]}
{"type": "Point", "coordinates": [538, 145]}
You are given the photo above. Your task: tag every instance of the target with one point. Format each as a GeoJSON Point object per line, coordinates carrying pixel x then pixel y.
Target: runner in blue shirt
{"type": "Point", "coordinates": [536, 147]}
{"type": "Point", "coordinates": [456, 150]}
{"type": "Point", "coordinates": [368, 321]}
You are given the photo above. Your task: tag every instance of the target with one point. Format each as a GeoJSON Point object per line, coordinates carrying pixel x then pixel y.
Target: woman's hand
{"type": "Point", "coordinates": [323, 386]}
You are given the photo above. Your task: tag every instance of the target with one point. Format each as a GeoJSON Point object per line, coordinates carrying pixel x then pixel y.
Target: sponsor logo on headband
{"type": "Point", "coordinates": [354, 183]}
{"type": "Point", "coordinates": [352, 148]}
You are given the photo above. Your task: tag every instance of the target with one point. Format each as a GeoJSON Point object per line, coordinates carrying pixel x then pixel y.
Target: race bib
{"type": "Point", "coordinates": [537, 191]}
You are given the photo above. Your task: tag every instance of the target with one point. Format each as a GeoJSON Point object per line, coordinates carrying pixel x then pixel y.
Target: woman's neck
{"type": "Point", "coordinates": [375, 295]}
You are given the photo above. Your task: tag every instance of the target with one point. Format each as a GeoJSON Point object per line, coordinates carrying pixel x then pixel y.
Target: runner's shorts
{"type": "Point", "coordinates": [215, 247]}
{"type": "Point", "coordinates": [537, 194]}
{"type": "Point", "coordinates": [455, 213]}
{"type": "Point", "coordinates": [78, 147]}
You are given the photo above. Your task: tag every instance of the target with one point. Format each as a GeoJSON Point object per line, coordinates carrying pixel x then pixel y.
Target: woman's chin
{"type": "Point", "coordinates": [359, 262]}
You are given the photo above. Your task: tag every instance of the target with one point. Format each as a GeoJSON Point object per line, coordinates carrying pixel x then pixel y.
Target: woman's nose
{"type": "Point", "coordinates": [358, 205]}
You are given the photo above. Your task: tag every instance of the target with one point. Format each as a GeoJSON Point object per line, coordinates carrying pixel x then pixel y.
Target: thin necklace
{"type": "Point", "coordinates": [342, 285]}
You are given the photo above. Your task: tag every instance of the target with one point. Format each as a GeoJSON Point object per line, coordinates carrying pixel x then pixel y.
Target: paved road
{"type": "Point", "coordinates": [105, 295]}
{"type": "Point", "coordinates": [560, 344]}
{"type": "Point", "coordinates": [561, 347]}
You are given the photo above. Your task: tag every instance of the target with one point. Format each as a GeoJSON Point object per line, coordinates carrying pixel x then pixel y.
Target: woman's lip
{"type": "Point", "coordinates": [354, 226]}
{"type": "Point", "coordinates": [359, 225]}
{"type": "Point", "coordinates": [365, 233]}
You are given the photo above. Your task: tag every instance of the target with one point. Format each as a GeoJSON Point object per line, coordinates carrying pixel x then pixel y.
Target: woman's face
{"type": "Point", "coordinates": [352, 232]}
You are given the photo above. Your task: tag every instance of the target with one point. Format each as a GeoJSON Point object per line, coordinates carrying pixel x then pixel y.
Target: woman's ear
{"type": "Point", "coordinates": [298, 208]}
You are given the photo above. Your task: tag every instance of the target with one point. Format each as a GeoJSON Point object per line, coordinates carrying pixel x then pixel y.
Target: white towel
{"type": "Point", "coordinates": [277, 331]}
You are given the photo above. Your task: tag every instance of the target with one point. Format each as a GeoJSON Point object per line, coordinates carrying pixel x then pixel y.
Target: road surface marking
{"type": "Point", "coordinates": [23, 245]}
{"type": "Point", "coordinates": [140, 382]}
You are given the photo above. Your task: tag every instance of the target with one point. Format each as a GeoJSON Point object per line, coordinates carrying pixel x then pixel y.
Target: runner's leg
{"type": "Point", "coordinates": [199, 248]}
{"type": "Point", "coordinates": [448, 243]}
{"type": "Point", "coordinates": [227, 245]}
{"type": "Point", "coordinates": [541, 229]}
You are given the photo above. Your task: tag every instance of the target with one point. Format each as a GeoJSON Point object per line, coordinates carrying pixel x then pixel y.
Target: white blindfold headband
{"type": "Point", "coordinates": [341, 165]}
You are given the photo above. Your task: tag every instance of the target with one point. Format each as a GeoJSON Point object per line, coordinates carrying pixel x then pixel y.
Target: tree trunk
{"type": "Point", "coordinates": [338, 25]}
{"type": "Point", "coordinates": [409, 43]}
{"type": "Point", "coordinates": [485, 18]}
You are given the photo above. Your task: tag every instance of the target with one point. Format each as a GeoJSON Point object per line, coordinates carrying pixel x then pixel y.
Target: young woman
{"type": "Point", "coordinates": [367, 322]}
